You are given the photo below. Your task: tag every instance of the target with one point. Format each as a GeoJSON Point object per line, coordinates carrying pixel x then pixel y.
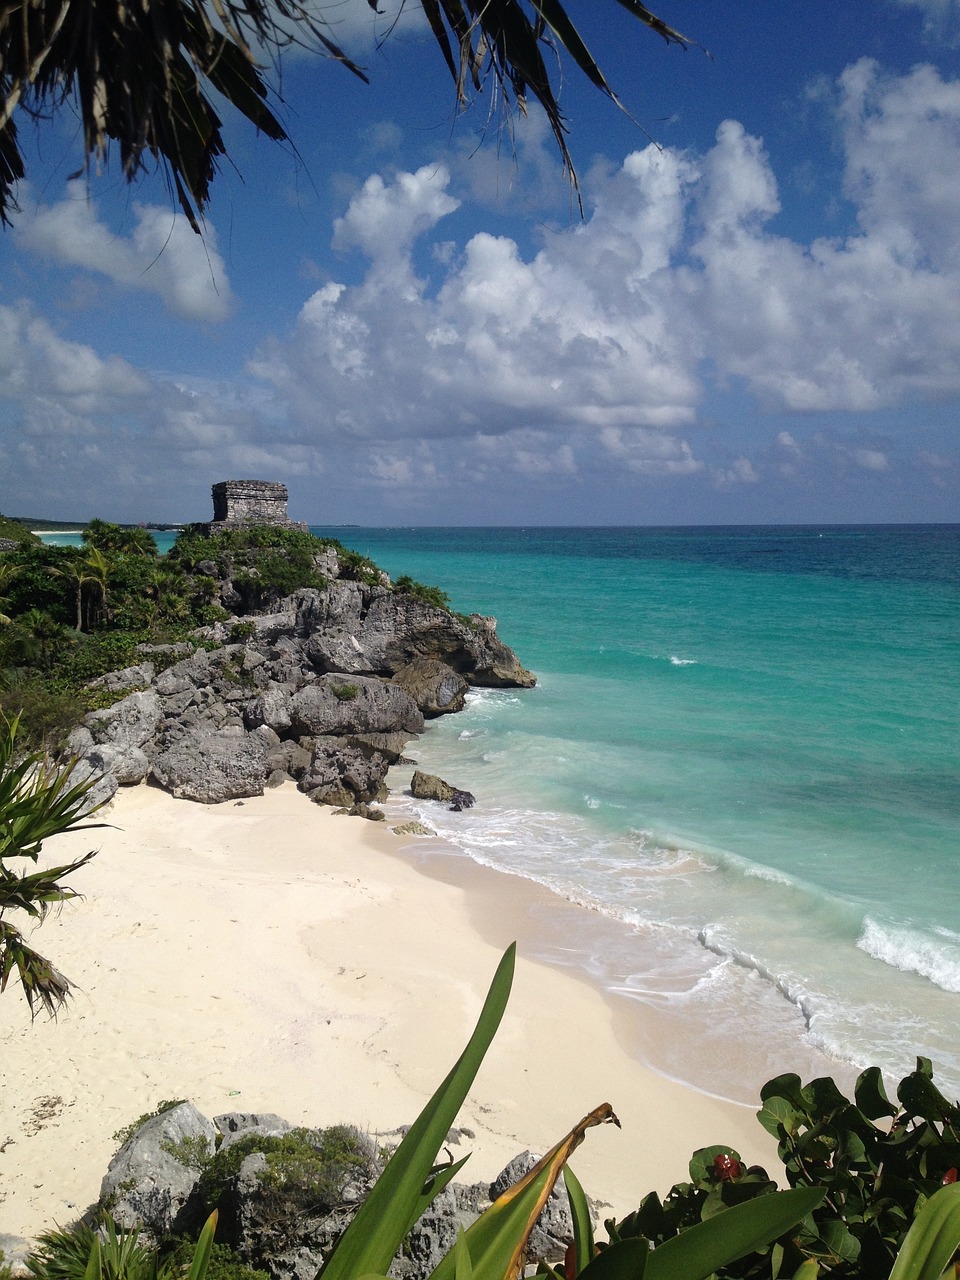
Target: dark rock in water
{"type": "Point", "coordinates": [152, 1177]}
{"type": "Point", "coordinates": [427, 786]}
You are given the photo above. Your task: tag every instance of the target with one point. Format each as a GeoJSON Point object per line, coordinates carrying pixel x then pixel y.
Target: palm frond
{"type": "Point", "coordinates": [140, 71]}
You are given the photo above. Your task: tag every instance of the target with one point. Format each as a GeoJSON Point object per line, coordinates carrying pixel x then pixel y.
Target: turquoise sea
{"type": "Point", "coordinates": [743, 753]}
{"type": "Point", "coordinates": [742, 758]}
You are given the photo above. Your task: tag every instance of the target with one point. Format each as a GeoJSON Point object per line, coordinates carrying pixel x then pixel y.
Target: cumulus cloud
{"type": "Point", "coordinates": [161, 255]}
{"type": "Point", "coordinates": [604, 341]}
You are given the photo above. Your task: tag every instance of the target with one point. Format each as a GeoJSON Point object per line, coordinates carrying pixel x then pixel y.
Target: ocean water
{"type": "Point", "coordinates": [742, 756]}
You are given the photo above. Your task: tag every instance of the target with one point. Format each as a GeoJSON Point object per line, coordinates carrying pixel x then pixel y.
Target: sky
{"type": "Point", "coordinates": [405, 319]}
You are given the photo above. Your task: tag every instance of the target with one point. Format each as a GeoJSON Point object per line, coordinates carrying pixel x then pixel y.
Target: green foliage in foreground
{"type": "Point", "coordinates": [105, 1251]}
{"type": "Point", "coordinates": [36, 801]}
{"type": "Point", "coordinates": [875, 1176]}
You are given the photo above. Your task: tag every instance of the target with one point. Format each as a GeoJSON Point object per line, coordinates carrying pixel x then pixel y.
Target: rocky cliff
{"type": "Point", "coordinates": [326, 688]}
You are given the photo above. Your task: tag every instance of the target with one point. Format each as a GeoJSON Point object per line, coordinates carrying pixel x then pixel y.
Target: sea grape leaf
{"type": "Point", "coordinates": [776, 1113]}
{"type": "Point", "coordinates": [871, 1096]}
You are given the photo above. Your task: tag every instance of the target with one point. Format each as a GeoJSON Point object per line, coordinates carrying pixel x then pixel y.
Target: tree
{"type": "Point", "coordinates": [37, 801]}
{"type": "Point", "coordinates": [140, 73]}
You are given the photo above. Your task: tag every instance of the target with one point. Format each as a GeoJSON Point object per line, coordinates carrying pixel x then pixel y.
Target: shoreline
{"type": "Point", "coordinates": [269, 955]}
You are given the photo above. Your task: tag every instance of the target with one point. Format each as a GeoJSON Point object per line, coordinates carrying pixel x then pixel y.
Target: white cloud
{"type": "Point", "coordinates": [162, 255]}
{"type": "Point", "coordinates": [871, 459]}
{"type": "Point", "coordinates": [598, 341]}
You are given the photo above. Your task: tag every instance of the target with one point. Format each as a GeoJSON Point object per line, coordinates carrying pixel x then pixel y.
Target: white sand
{"type": "Point", "coordinates": [268, 955]}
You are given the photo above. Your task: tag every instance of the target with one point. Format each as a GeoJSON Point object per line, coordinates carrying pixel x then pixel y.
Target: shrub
{"type": "Point", "coordinates": [431, 595]}
{"type": "Point", "coordinates": [345, 692]}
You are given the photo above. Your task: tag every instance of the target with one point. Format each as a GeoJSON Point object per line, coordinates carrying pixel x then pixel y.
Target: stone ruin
{"type": "Point", "coordinates": [238, 504]}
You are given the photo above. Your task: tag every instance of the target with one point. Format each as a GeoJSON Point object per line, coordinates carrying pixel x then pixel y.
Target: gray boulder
{"type": "Point", "coordinates": [235, 1125]}
{"type": "Point", "coordinates": [151, 1178]}
{"type": "Point", "coordinates": [337, 705]}
{"type": "Point", "coordinates": [128, 723]}
{"type": "Point", "coordinates": [129, 765]}
{"type": "Point", "coordinates": [128, 678]}
{"type": "Point", "coordinates": [344, 775]}
{"type": "Point", "coordinates": [103, 785]}
{"type": "Point", "coordinates": [212, 767]}
{"type": "Point", "coordinates": [427, 786]}
{"type": "Point", "coordinates": [435, 688]}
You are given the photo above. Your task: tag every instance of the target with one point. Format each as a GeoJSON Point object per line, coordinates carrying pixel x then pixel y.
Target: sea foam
{"type": "Point", "coordinates": [913, 951]}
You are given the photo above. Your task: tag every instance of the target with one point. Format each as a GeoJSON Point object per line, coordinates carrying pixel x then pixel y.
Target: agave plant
{"type": "Point", "coordinates": [107, 1251]}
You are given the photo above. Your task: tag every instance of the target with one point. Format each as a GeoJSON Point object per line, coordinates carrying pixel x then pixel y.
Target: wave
{"type": "Point", "coordinates": [682, 662]}
{"type": "Point", "coordinates": [914, 951]}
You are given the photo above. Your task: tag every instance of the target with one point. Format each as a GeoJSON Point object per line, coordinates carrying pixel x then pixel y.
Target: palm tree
{"type": "Point", "coordinates": [139, 72]}
{"type": "Point", "coordinates": [98, 571]}
{"type": "Point", "coordinates": [36, 801]}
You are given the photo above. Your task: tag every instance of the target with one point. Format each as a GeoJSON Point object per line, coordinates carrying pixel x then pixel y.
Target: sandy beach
{"type": "Point", "coordinates": [269, 955]}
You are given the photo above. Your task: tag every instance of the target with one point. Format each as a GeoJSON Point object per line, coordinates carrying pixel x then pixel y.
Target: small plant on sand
{"type": "Point", "coordinates": [37, 801]}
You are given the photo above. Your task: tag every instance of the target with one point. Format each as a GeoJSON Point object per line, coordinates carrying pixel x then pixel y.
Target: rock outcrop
{"type": "Point", "coordinates": [325, 689]}
{"type": "Point", "coordinates": [286, 1194]}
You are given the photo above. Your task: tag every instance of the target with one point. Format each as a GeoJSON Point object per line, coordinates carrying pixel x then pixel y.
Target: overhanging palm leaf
{"type": "Point", "coordinates": [138, 71]}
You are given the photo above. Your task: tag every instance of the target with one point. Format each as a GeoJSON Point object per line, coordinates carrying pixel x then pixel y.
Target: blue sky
{"type": "Point", "coordinates": [406, 320]}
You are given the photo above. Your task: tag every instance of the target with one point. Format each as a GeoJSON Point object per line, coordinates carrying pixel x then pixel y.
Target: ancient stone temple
{"type": "Point", "coordinates": [237, 504]}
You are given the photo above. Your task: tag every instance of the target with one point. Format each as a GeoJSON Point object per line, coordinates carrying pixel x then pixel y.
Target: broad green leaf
{"type": "Point", "coordinates": [498, 1239]}
{"type": "Point", "coordinates": [461, 1256]}
{"type": "Point", "coordinates": [697, 1252]}
{"type": "Point", "coordinates": [871, 1096]}
{"type": "Point", "coordinates": [583, 1242]}
{"type": "Point", "coordinates": [204, 1249]}
{"type": "Point", "coordinates": [625, 1260]}
{"type": "Point", "coordinates": [373, 1237]}
{"type": "Point", "coordinates": [808, 1270]}
{"type": "Point", "coordinates": [933, 1238]}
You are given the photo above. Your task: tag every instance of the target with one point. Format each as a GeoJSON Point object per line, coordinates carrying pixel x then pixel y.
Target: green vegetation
{"type": "Point", "coordinates": [345, 692]}
{"type": "Point", "coordinates": [36, 802]}
{"type": "Point", "coordinates": [306, 1169]}
{"type": "Point", "coordinates": [16, 531]}
{"type": "Point", "coordinates": [432, 595]}
{"type": "Point", "coordinates": [104, 1251]}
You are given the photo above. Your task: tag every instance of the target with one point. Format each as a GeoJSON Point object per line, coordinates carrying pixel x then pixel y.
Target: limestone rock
{"type": "Point", "coordinates": [128, 723]}
{"type": "Point", "coordinates": [211, 767]}
{"type": "Point", "coordinates": [427, 786]}
{"type": "Point", "coordinates": [129, 765]}
{"type": "Point", "coordinates": [413, 829]}
{"type": "Point", "coordinates": [342, 775]}
{"type": "Point", "coordinates": [128, 678]}
{"type": "Point", "coordinates": [435, 688]}
{"type": "Point", "coordinates": [152, 1176]}
{"type": "Point", "coordinates": [334, 705]}
{"type": "Point", "coordinates": [104, 785]}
